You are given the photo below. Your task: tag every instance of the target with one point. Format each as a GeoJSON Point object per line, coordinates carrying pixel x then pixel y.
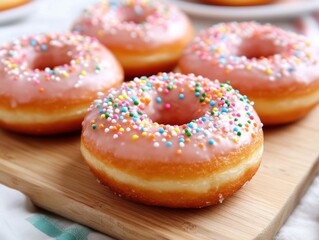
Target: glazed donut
{"type": "Point", "coordinates": [173, 140]}
{"type": "Point", "coordinates": [49, 81]}
{"type": "Point", "coordinates": [277, 69]}
{"type": "Point", "coordinates": [146, 36]}
{"type": "Point", "coordinates": [5, 4]}
{"type": "Point", "coordinates": [238, 2]}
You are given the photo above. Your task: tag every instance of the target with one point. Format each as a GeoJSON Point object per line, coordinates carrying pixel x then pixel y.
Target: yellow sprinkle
{"type": "Point", "coordinates": [248, 67]}
{"type": "Point", "coordinates": [121, 97]}
{"type": "Point", "coordinates": [13, 66]}
{"type": "Point", "coordinates": [308, 44]}
{"type": "Point", "coordinates": [176, 130]}
{"type": "Point", "coordinates": [235, 140]}
{"type": "Point", "coordinates": [102, 116]}
{"type": "Point", "coordinates": [134, 137]}
{"type": "Point", "coordinates": [268, 71]}
{"type": "Point", "coordinates": [144, 134]}
{"type": "Point", "coordinates": [100, 33]}
{"type": "Point", "coordinates": [65, 74]}
{"type": "Point", "coordinates": [308, 54]}
{"type": "Point", "coordinates": [83, 73]}
{"type": "Point", "coordinates": [219, 94]}
{"type": "Point", "coordinates": [215, 109]}
{"type": "Point", "coordinates": [121, 129]}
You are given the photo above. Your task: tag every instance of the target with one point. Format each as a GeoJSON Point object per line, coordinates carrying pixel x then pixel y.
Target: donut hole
{"type": "Point", "coordinates": [137, 15]}
{"type": "Point", "coordinates": [52, 58]}
{"type": "Point", "coordinates": [172, 110]}
{"type": "Point", "coordinates": [258, 48]}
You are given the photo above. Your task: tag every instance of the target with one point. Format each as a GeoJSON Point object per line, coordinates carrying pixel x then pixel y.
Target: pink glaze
{"type": "Point", "coordinates": [151, 119]}
{"type": "Point", "coordinates": [134, 25]}
{"type": "Point", "coordinates": [71, 67]}
{"type": "Point", "coordinates": [251, 56]}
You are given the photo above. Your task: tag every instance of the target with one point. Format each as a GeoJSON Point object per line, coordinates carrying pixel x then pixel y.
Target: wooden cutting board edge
{"type": "Point", "coordinates": [282, 216]}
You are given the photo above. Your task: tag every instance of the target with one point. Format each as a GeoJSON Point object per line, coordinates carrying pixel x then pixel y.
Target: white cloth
{"type": "Point", "coordinates": [19, 219]}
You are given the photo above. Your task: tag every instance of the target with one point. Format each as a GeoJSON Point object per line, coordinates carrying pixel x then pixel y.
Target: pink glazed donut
{"type": "Point", "coordinates": [146, 36]}
{"type": "Point", "coordinates": [48, 81]}
{"type": "Point", "coordinates": [173, 140]}
{"type": "Point", "coordinates": [277, 69]}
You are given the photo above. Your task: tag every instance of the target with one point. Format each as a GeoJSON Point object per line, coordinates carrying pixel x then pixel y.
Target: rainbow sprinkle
{"type": "Point", "coordinates": [228, 47]}
{"type": "Point", "coordinates": [218, 113]}
{"type": "Point", "coordinates": [18, 59]}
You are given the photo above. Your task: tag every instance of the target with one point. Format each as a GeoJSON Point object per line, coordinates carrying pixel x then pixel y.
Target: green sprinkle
{"type": "Point", "coordinates": [202, 99]}
{"type": "Point", "coordinates": [93, 126]}
{"type": "Point", "coordinates": [238, 133]}
{"type": "Point", "coordinates": [188, 133]}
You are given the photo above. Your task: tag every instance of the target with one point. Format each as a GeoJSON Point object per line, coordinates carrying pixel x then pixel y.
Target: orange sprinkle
{"type": "Point", "coordinates": [200, 145]}
{"type": "Point", "coordinates": [179, 152]}
{"type": "Point", "coordinates": [101, 126]}
{"type": "Point", "coordinates": [41, 90]}
{"type": "Point", "coordinates": [152, 136]}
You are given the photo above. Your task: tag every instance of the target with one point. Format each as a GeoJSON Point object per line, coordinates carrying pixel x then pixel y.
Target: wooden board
{"type": "Point", "coordinates": [51, 171]}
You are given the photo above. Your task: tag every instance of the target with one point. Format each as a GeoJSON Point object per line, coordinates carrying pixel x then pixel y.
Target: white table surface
{"type": "Point", "coordinates": [15, 208]}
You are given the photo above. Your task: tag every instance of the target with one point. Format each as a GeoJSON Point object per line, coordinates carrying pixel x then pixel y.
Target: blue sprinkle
{"type": "Point", "coordinates": [97, 105]}
{"type": "Point", "coordinates": [203, 119]}
{"type": "Point", "coordinates": [161, 130]}
{"type": "Point", "coordinates": [169, 144]}
{"type": "Point", "coordinates": [224, 109]}
{"type": "Point", "coordinates": [124, 109]}
{"type": "Point", "coordinates": [278, 75]}
{"type": "Point", "coordinates": [101, 110]}
{"type": "Point", "coordinates": [212, 103]}
{"type": "Point", "coordinates": [165, 77]}
{"type": "Point", "coordinates": [235, 129]}
{"type": "Point", "coordinates": [197, 94]}
{"type": "Point", "coordinates": [291, 69]}
{"type": "Point", "coordinates": [211, 142]}
{"type": "Point", "coordinates": [212, 48]}
{"type": "Point", "coordinates": [190, 125]}
{"type": "Point", "coordinates": [121, 117]}
{"type": "Point", "coordinates": [181, 96]}
{"type": "Point", "coordinates": [11, 53]}
{"type": "Point", "coordinates": [158, 100]}
{"type": "Point", "coordinates": [222, 59]}
{"type": "Point", "coordinates": [33, 42]}
{"type": "Point", "coordinates": [43, 47]}
{"type": "Point", "coordinates": [197, 130]}
{"type": "Point", "coordinates": [181, 140]}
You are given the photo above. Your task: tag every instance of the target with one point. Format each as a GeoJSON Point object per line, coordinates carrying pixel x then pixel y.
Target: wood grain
{"type": "Point", "coordinates": [52, 172]}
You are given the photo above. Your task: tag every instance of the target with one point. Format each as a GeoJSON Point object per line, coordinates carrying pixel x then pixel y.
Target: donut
{"type": "Point", "coordinates": [48, 81]}
{"type": "Point", "coordinates": [146, 36]}
{"type": "Point", "coordinates": [173, 140]}
{"type": "Point", "coordinates": [5, 4]}
{"type": "Point", "coordinates": [276, 69]}
{"type": "Point", "coordinates": [238, 2]}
